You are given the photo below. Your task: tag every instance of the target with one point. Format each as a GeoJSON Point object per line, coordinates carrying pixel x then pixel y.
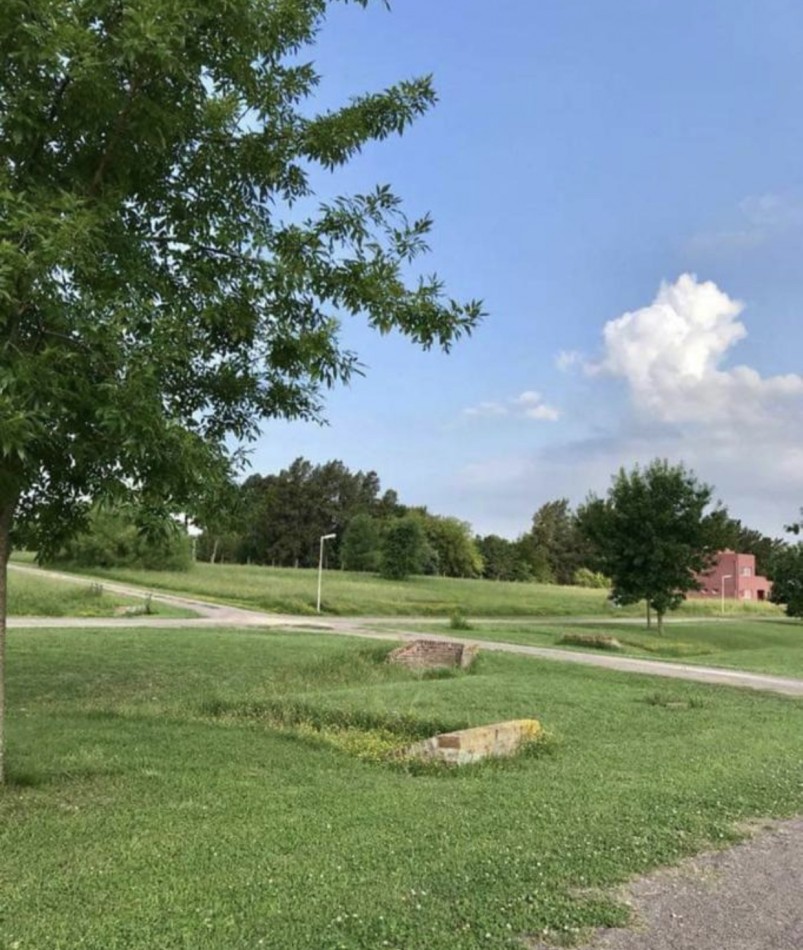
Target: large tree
{"type": "Point", "coordinates": [166, 278]}
{"type": "Point", "coordinates": [652, 533]}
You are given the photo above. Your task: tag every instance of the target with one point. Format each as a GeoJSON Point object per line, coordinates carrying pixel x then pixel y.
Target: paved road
{"type": "Point", "coordinates": [745, 898]}
{"type": "Point", "coordinates": [218, 615]}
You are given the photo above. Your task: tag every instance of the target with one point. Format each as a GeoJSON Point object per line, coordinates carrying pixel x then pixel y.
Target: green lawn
{"type": "Point", "coordinates": [286, 590]}
{"type": "Point", "coordinates": [770, 645]}
{"type": "Point", "coordinates": [39, 596]}
{"type": "Point", "coordinates": [160, 797]}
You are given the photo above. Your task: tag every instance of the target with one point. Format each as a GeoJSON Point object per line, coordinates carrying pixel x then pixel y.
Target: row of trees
{"type": "Point", "coordinates": [645, 540]}
{"type": "Point", "coordinates": [277, 519]}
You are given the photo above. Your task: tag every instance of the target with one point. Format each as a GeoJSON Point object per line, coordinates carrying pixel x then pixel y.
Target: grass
{"type": "Point", "coordinates": [288, 590]}
{"type": "Point", "coordinates": [32, 595]}
{"type": "Point", "coordinates": [167, 790]}
{"type": "Point", "coordinates": [770, 645]}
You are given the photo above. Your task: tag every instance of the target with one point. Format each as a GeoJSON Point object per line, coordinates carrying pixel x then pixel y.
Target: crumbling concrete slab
{"type": "Point", "coordinates": [472, 745]}
{"type": "Point", "coordinates": [434, 654]}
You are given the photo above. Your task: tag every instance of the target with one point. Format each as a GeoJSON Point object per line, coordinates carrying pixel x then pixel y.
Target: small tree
{"type": "Point", "coordinates": [404, 548]}
{"type": "Point", "coordinates": [359, 550]}
{"type": "Point", "coordinates": [652, 535]}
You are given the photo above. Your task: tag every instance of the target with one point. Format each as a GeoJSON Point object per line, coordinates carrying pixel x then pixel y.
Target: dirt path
{"type": "Point", "coordinates": [746, 898]}
{"type": "Point", "coordinates": [220, 615]}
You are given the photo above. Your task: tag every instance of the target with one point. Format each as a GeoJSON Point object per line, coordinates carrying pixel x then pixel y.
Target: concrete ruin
{"type": "Point", "coordinates": [434, 654]}
{"type": "Point", "coordinates": [499, 739]}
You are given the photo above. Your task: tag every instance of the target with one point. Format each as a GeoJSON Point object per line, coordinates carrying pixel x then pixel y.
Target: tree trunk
{"type": "Point", "coordinates": [660, 615]}
{"type": "Point", "coordinates": [215, 547]}
{"type": "Point", "coordinates": [649, 616]}
{"type": "Point", "coordinates": [6, 513]}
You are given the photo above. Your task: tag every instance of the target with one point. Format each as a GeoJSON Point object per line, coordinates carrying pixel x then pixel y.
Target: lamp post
{"type": "Point", "coordinates": [324, 537]}
{"type": "Point", "coordinates": [725, 577]}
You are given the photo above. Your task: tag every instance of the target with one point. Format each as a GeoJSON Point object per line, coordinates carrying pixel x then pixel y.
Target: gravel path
{"type": "Point", "coordinates": [749, 897]}
{"type": "Point", "coordinates": [220, 615]}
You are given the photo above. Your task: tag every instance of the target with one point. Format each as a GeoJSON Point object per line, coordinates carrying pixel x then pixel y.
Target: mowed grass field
{"type": "Point", "coordinates": [31, 595]}
{"type": "Point", "coordinates": [225, 790]}
{"type": "Point", "coordinates": [767, 645]}
{"type": "Point", "coordinates": [288, 590]}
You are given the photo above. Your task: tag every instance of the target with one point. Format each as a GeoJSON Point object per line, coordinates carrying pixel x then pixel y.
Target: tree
{"type": "Point", "coordinates": [556, 534]}
{"type": "Point", "coordinates": [451, 539]}
{"type": "Point", "coordinates": [787, 584]}
{"type": "Point", "coordinates": [652, 534]}
{"type": "Point", "coordinates": [404, 548]}
{"type": "Point", "coordinates": [157, 297]}
{"type": "Point", "coordinates": [360, 546]}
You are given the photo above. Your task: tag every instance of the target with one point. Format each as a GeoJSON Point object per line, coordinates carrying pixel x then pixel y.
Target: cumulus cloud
{"type": "Point", "coordinates": [527, 405]}
{"type": "Point", "coordinates": [672, 353]}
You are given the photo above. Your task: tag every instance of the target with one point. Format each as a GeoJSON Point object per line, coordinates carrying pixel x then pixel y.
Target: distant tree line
{"type": "Point", "coordinates": [644, 541]}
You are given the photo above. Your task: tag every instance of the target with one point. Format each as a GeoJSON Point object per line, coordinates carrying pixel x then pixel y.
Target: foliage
{"type": "Point", "coordinates": [652, 533]}
{"type": "Point", "coordinates": [167, 281]}
{"type": "Point", "coordinates": [360, 546]}
{"type": "Point", "coordinates": [287, 513]}
{"type": "Point", "coordinates": [180, 828]}
{"type": "Point", "coordinates": [504, 560]}
{"type": "Point", "coordinates": [456, 554]}
{"type": "Point", "coordinates": [557, 538]}
{"type": "Point", "coordinates": [157, 292]}
{"type": "Point", "coordinates": [404, 548]}
{"type": "Point", "coordinates": [113, 539]}
{"type": "Point", "coordinates": [459, 621]}
{"type": "Point", "coordinates": [787, 574]}
{"type": "Point", "coordinates": [585, 577]}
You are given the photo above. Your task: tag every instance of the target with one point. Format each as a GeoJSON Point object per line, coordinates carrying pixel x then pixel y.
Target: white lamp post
{"type": "Point", "coordinates": [725, 577]}
{"type": "Point", "coordinates": [324, 537]}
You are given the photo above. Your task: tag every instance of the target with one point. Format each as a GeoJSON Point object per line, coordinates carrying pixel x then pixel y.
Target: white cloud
{"type": "Point", "coordinates": [486, 410]}
{"type": "Point", "coordinates": [671, 355]}
{"type": "Point", "coordinates": [760, 218]}
{"type": "Point", "coordinates": [566, 360]}
{"type": "Point", "coordinates": [527, 405]}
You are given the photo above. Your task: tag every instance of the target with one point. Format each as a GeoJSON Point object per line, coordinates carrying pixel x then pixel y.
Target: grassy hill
{"type": "Point", "coordinates": [288, 590]}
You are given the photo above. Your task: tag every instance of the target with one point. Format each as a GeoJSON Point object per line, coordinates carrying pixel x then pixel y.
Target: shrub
{"type": "Point", "coordinates": [114, 540]}
{"type": "Point", "coordinates": [458, 620]}
{"type": "Point", "coordinates": [584, 577]}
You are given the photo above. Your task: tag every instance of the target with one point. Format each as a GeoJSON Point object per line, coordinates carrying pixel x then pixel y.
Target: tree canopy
{"type": "Point", "coordinates": [167, 279]}
{"type": "Point", "coordinates": [652, 533]}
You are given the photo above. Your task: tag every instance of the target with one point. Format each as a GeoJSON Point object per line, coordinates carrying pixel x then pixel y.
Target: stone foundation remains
{"type": "Point", "coordinates": [473, 745]}
{"type": "Point", "coordinates": [434, 654]}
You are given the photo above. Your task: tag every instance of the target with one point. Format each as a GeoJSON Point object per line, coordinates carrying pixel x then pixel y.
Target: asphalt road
{"type": "Point", "coordinates": [749, 897]}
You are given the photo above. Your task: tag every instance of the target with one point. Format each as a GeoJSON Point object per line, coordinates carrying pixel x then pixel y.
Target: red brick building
{"type": "Point", "coordinates": [733, 575]}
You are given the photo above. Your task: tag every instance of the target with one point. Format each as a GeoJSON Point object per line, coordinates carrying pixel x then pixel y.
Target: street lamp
{"type": "Point", "coordinates": [324, 537]}
{"type": "Point", "coordinates": [725, 577]}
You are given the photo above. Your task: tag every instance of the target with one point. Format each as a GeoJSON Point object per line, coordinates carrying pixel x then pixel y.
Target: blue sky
{"type": "Point", "coordinates": [621, 183]}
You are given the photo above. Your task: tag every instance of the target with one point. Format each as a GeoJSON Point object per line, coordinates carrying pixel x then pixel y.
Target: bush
{"type": "Point", "coordinates": [458, 620]}
{"type": "Point", "coordinates": [113, 539]}
{"type": "Point", "coordinates": [584, 577]}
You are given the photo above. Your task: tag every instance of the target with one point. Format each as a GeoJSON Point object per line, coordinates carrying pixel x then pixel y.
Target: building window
{"type": "Point", "coordinates": [746, 572]}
